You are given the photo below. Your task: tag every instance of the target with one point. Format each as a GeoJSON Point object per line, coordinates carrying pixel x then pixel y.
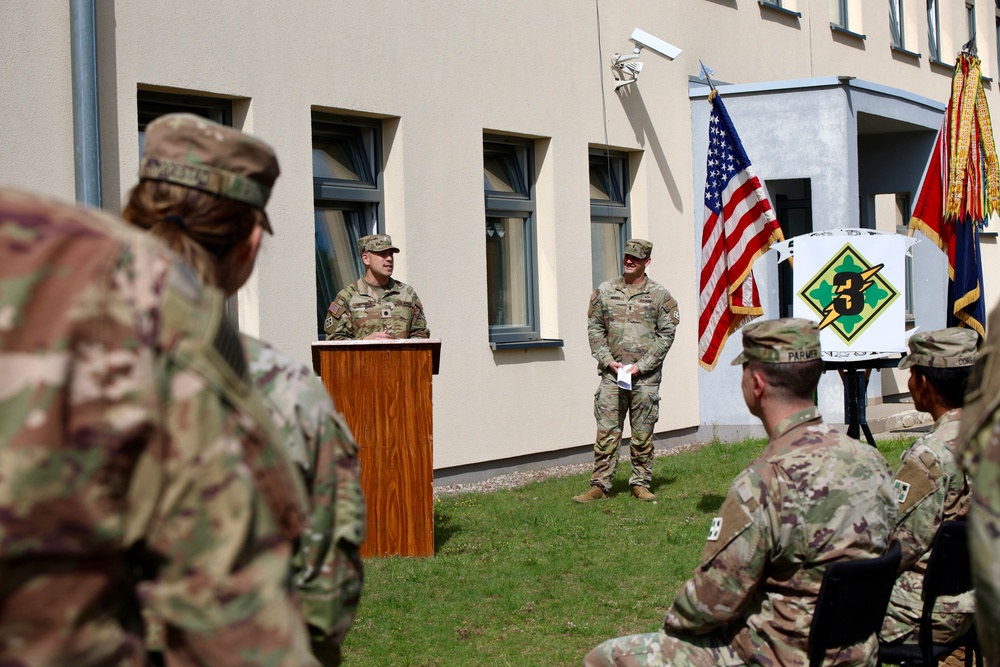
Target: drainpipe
{"type": "Point", "coordinates": [86, 132]}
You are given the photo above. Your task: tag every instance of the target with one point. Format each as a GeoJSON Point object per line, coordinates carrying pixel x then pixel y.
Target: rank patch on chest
{"type": "Point", "coordinates": [902, 489]}
{"type": "Point", "coordinates": [715, 530]}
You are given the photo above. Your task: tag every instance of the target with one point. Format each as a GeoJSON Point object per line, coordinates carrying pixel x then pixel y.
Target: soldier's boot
{"type": "Point", "coordinates": [642, 493]}
{"type": "Point", "coordinates": [595, 493]}
{"type": "Point", "coordinates": [955, 659]}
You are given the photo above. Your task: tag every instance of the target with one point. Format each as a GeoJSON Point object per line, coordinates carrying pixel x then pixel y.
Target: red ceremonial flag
{"type": "Point", "coordinates": [739, 227]}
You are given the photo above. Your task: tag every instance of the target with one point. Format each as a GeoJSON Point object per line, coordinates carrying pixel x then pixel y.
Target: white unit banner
{"type": "Point", "coordinates": [853, 283]}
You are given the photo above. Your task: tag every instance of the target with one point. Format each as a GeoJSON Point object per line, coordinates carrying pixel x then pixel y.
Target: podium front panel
{"type": "Point", "coordinates": [384, 393]}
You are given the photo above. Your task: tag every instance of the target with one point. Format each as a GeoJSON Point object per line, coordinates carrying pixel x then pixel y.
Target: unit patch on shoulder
{"type": "Point", "coordinates": [902, 489]}
{"type": "Point", "coordinates": [328, 322]}
{"type": "Point", "coordinates": [715, 530]}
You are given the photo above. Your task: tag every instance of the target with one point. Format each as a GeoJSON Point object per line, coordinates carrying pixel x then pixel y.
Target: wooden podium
{"type": "Point", "coordinates": [383, 389]}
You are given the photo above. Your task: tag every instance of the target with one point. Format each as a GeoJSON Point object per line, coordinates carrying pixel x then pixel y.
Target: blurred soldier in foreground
{"type": "Point", "coordinates": [131, 445]}
{"type": "Point", "coordinates": [930, 487]}
{"type": "Point", "coordinates": [630, 323]}
{"type": "Point", "coordinates": [979, 453]}
{"type": "Point", "coordinates": [202, 189]}
{"type": "Point", "coordinates": [813, 497]}
{"type": "Point", "coordinates": [378, 306]}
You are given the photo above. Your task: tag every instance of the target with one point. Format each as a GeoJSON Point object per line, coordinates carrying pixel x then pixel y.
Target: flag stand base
{"type": "Point", "coordinates": [854, 375]}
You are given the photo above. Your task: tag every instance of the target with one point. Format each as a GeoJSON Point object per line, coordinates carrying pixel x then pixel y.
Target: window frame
{"type": "Point", "coordinates": [366, 196]}
{"type": "Point", "coordinates": [934, 31]}
{"type": "Point", "coordinates": [521, 205]}
{"type": "Point", "coordinates": [602, 212]}
{"type": "Point", "coordinates": [842, 15]}
{"type": "Point", "coordinates": [898, 40]}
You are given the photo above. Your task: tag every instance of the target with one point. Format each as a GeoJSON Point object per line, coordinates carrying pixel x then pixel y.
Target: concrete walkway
{"type": "Point", "coordinates": [889, 418]}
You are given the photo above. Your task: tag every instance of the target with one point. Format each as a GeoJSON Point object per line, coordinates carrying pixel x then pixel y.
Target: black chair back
{"type": "Point", "coordinates": [852, 602]}
{"type": "Point", "coordinates": [949, 572]}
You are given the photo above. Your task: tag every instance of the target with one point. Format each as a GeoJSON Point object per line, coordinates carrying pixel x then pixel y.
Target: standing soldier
{"type": "Point", "coordinates": [931, 487]}
{"type": "Point", "coordinates": [377, 307]}
{"type": "Point", "coordinates": [979, 454]}
{"type": "Point", "coordinates": [813, 497]}
{"type": "Point", "coordinates": [202, 189]}
{"type": "Point", "coordinates": [631, 324]}
{"type": "Point", "coordinates": [136, 463]}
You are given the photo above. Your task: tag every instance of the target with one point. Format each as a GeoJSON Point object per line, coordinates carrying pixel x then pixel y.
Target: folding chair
{"type": "Point", "coordinates": [852, 602]}
{"type": "Point", "coordinates": [949, 572]}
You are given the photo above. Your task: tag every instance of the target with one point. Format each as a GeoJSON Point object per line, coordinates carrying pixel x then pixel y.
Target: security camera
{"type": "Point", "coordinates": [644, 40]}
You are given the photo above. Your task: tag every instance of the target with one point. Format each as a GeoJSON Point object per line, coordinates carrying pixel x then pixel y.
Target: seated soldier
{"type": "Point", "coordinates": [930, 486]}
{"type": "Point", "coordinates": [813, 497]}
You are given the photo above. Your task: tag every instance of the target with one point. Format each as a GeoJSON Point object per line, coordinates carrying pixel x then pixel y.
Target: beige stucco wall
{"type": "Point", "coordinates": [440, 74]}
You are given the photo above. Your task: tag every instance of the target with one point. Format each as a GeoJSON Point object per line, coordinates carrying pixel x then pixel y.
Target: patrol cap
{"type": "Point", "coordinates": [376, 243]}
{"type": "Point", "coordinates": [954, 347]}
{"type": "Point", "coordinates": [640, 248]}
{"type": "Point", "coordinates": [189, 150]}
{"type": "Point", "coordinates": [784, 341]}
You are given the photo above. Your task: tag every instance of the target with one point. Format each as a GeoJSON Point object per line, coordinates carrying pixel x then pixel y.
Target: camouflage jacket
{"type": "Point", "coordinates": [813, 497]}
{"type": "Point", "coordinates": [131, 440]}
{"type": "Point", "coordinates": [978, 453]}
{"type": "Point", "coordinates": [931, 489]}
{"type": "Point", "coordinates": [632, 326]}
{"type": "Point", "coordinates": [327, 567]}
{"type": "Point", "coordinates": [356, 312]}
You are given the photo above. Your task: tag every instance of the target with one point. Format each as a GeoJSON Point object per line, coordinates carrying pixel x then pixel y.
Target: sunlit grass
{"type": "Point", "coordinates": [527, 577]}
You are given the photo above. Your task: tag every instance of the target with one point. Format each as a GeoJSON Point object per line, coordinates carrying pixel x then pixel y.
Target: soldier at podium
{"type": "Point", "coordinates": [377, 306]}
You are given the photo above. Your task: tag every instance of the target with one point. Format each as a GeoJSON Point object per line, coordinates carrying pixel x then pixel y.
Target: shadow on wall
{"type": "Point", "coordinates": [645, 134]}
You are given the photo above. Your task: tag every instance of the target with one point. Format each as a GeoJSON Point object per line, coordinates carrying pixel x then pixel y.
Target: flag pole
{"type": "Point", "coordinates": [706, 73]}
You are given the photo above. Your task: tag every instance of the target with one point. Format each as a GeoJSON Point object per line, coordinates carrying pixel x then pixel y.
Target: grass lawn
{"type": "Point", "coordinates": [527, 577]}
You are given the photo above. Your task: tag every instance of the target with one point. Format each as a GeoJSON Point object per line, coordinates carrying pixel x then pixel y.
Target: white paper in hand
{"type": "Point", "coordinates": [625, 377]}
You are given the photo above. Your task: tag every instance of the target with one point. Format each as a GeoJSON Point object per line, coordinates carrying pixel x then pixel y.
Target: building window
{"type": "Point", "coordinates": [512, 288]}
{"type": "Point", "coordinates": [151, 105]}
{"type": "Point", "coordinates": [838, 10]}
{"type": "Point", "coordinates": [609, 213]}
{"type": "Point", "coordinates": [896, 23]}
{"type": "Point", "coordinates": [933, 30]}
{"type": "Point", "coordinates": [347, 193]}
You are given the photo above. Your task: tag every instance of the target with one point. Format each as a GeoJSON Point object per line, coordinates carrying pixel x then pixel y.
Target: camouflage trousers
{"type": "Point", "coordinates": [901, 624]}
{"type": "Point", "coordinates": [984, 543]}
{"type": "Point", "coordinates": [611, 403]}
{"type": "Point", "coordinates": [662, 649]}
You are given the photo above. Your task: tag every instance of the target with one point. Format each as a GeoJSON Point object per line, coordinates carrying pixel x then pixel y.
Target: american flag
{"type": "Point", "coordinates": [739, 227]}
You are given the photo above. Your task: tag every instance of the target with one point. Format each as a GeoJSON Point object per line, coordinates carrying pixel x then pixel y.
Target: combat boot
{"type": "Point", "coordinates": [595, 493]}
{"type": "Point", "coordinates": [642, 493]}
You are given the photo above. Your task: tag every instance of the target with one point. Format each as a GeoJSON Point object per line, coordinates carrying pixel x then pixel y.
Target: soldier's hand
{"type": "Point", "coordinates": [378, 335]}
{"type": "Point", "coordinates": [614, 365]}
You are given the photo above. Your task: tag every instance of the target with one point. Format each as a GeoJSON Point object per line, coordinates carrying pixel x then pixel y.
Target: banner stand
{"type": "Point", "coordinates": [855, 376]}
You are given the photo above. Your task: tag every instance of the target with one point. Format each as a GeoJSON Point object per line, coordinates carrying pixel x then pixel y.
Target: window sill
{"type": "Point", "coordinates": [849, 33]}
{"type": "Point", "coordinates": [988, 235]}
{"type": "Point", "coordinates": [903, 52]}
{"type": "Point", "coordinates": [780, 10]}
{"type": "Point", "coordinates": [526, 344]}
{"type": "Point", "coordinates": [941, 63]}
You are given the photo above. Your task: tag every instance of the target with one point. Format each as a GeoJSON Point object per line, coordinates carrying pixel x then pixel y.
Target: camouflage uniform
{"type": "Point", "coordinates": [327, 566]}
{"type": "Point", "coordinates": [979, 454]}
{"type": "Point", "coordinates": [360, 310]}
{"type": "Point", "coordinates": [931, 490]}
{"type": "Point", "coordinates": [630, 325]}
{"type": "Point", "coordinates": [132, 445]}
{"type": "Point", "coordinates": [357, 312]}
{"type": "Point", "coordinates": [813, 497]}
